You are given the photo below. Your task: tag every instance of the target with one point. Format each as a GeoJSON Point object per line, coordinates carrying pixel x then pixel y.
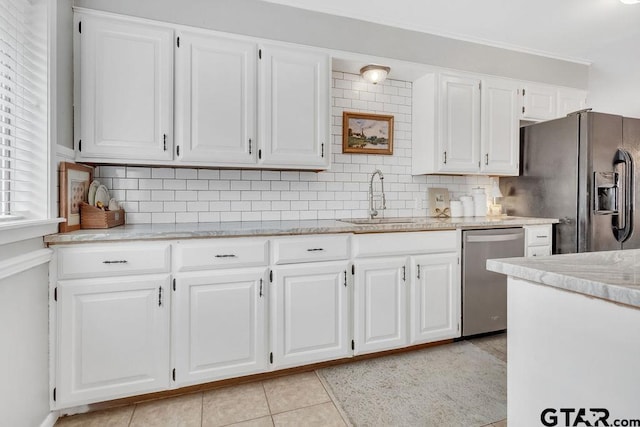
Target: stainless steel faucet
{"type": "Point", "coordinates": [372, 210]}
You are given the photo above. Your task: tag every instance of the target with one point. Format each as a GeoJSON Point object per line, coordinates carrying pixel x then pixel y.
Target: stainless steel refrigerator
{"type": "Point", "coordinates": [582, 169]}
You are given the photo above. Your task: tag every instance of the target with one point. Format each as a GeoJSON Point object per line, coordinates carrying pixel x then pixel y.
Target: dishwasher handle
{"type": "Point", "coordinates": [494, 238]}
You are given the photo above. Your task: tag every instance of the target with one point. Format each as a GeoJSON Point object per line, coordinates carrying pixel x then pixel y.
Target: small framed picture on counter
{"type": "Point", "coordinates": [438, 199]}
{"type": "Point", "coordinates": [74, 188]}
{"type": "Point", "coordinates": [367, 133]}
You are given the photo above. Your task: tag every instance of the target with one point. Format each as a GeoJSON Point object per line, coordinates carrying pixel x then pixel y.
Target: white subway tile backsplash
{"type": "Point", "coordinates": [186, 174]}
{"type": "Point", "coordinates": [166, 195]}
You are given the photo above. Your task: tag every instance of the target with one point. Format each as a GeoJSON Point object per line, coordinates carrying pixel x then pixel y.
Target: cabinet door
{"type": "Point", "coordinates": [113, 337]}
{"type": "Point", "coordinates": [500, 141]}
{"type": "Point", "coordinates": [570, 100]}
{"type": "Point", "coordinates": [459, 124]}
{"type": "Point", "coordinates": [219, 325]}
{"type": "Point", "coordinates": [215, 100]}
{"type": "Point", "coordinates": [294, 107]}
{"type": "Point", "coordinates": [309, 313]}
{"type": "Point", "coordinates": [435, 298]}
{"type": "Point", "coordinates": [539, 102]}
{"type": "Point", "coordinates": [380, 321]}
{"type": "Point", "coordinates": [125, 96]}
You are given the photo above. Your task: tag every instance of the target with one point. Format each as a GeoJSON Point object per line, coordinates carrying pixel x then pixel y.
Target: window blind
{"type": "Point", "coordinates": [23, 108]}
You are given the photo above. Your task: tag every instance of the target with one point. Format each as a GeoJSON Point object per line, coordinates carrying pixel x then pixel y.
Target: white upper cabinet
{"type": "Point", "coordinates": [459, 123]}
{"type": "Point", "coordinates": [500, 127]}
{"type": "Point", "coordinates": [124, 90]}
{"type": "Point", "coordinates": [472, 128]}
{"type": "Point", "coordinates": [124, 98]}
{"type": "Point", "coordinates": [543, 102]}
{"type": "Point", "coordinates": [539, 102]}
{"type": "Point", "coordinates": [570, 100]}
{"type": "Point", "coordinates": [215, 100]}
{"type": "Point", "coordinates": [294, 89]}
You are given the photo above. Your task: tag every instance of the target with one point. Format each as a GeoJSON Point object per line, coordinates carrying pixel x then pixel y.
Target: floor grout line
{"type": "Point", "coordinates": [201, 409]}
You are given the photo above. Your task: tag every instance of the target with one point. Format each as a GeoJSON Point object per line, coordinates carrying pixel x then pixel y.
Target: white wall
{"type": "Point", "coordinates": [614, 85]}
{"type": "Point", "coordinates": [155, 195]}
{"type": "Point", "coordinates": [24, 363]}
{"type": "Point", "coordinates": [277, 22]}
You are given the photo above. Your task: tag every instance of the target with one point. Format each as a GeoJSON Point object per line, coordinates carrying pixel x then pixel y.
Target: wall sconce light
{"type": "Point", "coordinates": [374, 73]}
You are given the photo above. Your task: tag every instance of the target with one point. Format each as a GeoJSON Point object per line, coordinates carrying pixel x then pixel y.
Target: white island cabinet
{"type": "Point", "coordinates": [572, 322]}
{"type": "Point", "coordinates": [112, 321]}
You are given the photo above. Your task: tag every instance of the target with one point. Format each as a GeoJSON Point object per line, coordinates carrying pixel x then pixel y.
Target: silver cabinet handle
{"type": "Point", "coordinates": [226, 256]}
{"type": "Point", "coordinates": [542, 237]}
{"type": "Point", "coordinates": [119, 261]}
{"type": "Point", "coordinates": [315, 250]}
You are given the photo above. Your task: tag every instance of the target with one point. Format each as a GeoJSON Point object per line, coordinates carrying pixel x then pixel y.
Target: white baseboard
{"type": "Point", "coordinates": [51, 419]}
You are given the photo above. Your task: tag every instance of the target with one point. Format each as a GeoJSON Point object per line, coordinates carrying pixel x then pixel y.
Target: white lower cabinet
{"type": "Point", "coordinates": [309, 305]}
{"type": "Point", "coordinates": [380, 312]}
{"type": "Point", "coordinates": [219, 325]}
{"type": "Point", "coordinates": [242, 306]}
{"type": "Point", "coordinates": [113, 338]}
{"type": "Point", "coordinates": [434, 298]}
{"type": "Point", "coordinates": [406, 289]}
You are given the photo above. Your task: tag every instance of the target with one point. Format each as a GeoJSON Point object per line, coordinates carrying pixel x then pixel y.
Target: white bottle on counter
{"type": "Point", "coordinates": [456, 208]}
{"type": "Point", "coordinates": [467, 205]}
{"type": "Point", "coordinates": [479, 201]}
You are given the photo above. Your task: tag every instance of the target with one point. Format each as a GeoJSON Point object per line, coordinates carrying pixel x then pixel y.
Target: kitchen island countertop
{"type": "Point", "coordinates": [275, 228]}
{"type": "Point", "coordinates": [610, 275]}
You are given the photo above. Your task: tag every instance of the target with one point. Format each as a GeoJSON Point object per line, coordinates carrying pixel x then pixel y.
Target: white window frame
{"type": "Point", "coordinates": [41, 220]}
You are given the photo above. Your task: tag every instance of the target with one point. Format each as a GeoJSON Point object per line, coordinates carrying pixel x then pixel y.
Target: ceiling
{"type": "Point", "coordinates": [578, 30]}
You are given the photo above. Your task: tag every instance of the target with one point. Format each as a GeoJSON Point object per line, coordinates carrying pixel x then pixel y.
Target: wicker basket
{"type": "Point", "coordinates": [92, 217]}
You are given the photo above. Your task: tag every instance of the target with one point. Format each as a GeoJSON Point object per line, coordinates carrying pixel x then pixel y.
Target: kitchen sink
{"type": "Point", "coordinates": [361, 221]}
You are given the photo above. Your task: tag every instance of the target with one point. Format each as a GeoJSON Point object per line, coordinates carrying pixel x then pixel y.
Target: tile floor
{"type": "Point", "coordinates": [294, 400]}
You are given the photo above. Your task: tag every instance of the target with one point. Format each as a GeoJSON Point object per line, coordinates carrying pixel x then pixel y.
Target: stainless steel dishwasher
{"type": "Point", "coordinates": [484, 293]}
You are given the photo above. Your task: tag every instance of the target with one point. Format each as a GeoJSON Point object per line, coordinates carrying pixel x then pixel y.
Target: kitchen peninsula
{"type": "Point", "coordinates": [574, 323]}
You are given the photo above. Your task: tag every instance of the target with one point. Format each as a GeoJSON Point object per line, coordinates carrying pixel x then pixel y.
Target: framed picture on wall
{"type": "Point", "coordinates": [74, 188]}
{"type": "Point", "coordinates": [367, 133]}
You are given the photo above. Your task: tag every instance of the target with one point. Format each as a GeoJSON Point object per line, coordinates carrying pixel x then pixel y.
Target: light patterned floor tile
{"type": "Point", "coordinates": [234, 404]}
{"type": "Point", "coordinates": [181, 411]}
{"type": "Point", "coordinates": [324, 414]}
{"type": "Point", "coordinates": [294, 392]}
{"type": "Point", "coordinates": [116, 417]}
{"type": "Point", "coordinates": [258, 422]}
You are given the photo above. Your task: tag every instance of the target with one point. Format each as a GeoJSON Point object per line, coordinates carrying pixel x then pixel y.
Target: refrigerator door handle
{"type": "Point", "coordinates": [623, 223]}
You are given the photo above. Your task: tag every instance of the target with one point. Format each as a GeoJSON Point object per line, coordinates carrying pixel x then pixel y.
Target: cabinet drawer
{"type": "Point", "coordinates": [221, 253]}
{"type": "Point", "coordinates": [539, 251]}
{"type": "Point", "coordinates": [421, 242]}
{"type": "Point", "coordinates": [310, 249]}
{"type": "Point", "coordinates": [113, 259]}
{"type": "Point", "coordinates": [539, 235]}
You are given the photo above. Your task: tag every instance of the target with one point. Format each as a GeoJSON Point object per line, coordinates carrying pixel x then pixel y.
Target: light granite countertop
{"type": "Point", "coordinates": [278, 228]}
{"type": "Point", "coordinates": [609, 275]}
